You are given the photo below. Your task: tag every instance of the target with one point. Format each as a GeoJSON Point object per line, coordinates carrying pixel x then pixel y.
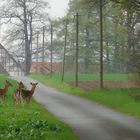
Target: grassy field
{"type": "Point", "coordinates": [119, 99]}
{"type": "Point", "coordinates": [89, 77]}
{"type": "Point", "coordinates": [29, 123]}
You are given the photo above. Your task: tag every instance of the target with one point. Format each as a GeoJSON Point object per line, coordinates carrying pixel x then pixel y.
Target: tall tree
{"type": "Point", "coordinates": [23, 17]}
{"type": "Point", "coordinates": [131, 5]}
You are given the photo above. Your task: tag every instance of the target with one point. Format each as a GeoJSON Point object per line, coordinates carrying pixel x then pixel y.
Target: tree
{"type": "Point", "coordinates": [129, 5]}
{"type": "Point", "coordinates": [99, 4]}
{"type": "Point", "coordinates": [24, 16]}
{"type": "Point", "coordinates": [87, 27]}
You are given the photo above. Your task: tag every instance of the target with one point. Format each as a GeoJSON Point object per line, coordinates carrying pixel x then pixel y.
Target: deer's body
{"type": "Point", "coordinates": [17, 93]}
{"type": "Point", "coordinates": [3, 91]}
{"type": "Point", "coordinates": [27, 94]}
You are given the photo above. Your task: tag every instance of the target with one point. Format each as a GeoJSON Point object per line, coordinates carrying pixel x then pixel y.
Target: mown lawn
{"type": "Point", "coordinates": [119, 99]}
{"type": "Point", "coordinates": [88, 77]}
{"type": "Point", "coordinates": [29, 123]}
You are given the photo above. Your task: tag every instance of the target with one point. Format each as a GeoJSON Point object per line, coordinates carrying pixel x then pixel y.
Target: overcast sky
{"type": "Point", "coordinates": [58, 7]}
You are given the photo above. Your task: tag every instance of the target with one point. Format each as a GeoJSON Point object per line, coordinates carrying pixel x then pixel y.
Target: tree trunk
{"type": "Point", "coordinates": [107, 58]}
{"type": "Point", "coordinates": [27, 43]}
{"type": "Point", "coordinates": [101, 45]}
{"type": "Point", "coordinates": [86, 59]}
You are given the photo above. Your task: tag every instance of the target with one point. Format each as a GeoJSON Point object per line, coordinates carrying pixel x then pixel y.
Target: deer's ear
{"type": "Point", "coordinates": [31, 83]}
{"type": "Point", "coordinates": [21, 83]}
{"type": "Point", "coordinates": [7, 81]}
{"type": "Point", "coordinates": [36, 83]}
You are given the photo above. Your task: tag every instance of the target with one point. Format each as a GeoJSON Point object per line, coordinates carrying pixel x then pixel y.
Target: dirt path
{"type": "Point", "coordinates": [89, 120]}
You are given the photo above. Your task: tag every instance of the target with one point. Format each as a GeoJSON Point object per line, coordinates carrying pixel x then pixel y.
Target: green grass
{"type": "Point", "coordinates": [29, 123]}
{"type": "Point", "coordinates": [118, 99]}
{"type": "Point", "coordinates": [88, 77]}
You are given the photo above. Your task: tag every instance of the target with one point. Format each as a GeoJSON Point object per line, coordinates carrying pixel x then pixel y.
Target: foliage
{"type": "Point", "coordinates": [119, 27]}
{"type": "Point", "coordinates": [23, 17]}
{"type": "Point", "coordinates": [120, 18]}
{"type": "Point", "coordinates": [130, 5]}
{"type": "Point", "coordinates": [32, 129]}
{"type": "Point", "coordinates": [115, 36]}
{"type": "Point", "coordinates": [29, 123]}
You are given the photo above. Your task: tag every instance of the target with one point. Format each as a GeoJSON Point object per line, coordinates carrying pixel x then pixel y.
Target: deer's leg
{"type": "Point", "coordinates": [4, 98]}
{"type": "Point", "coordinates": [16, 101]}
{"type": "Point", "coordinates": [21, 100]}
{"type": "Point", "coordinates": [16, 98]}
{"type": "Point", "coordinates": [28, 102]}
{"type": "Point", "coordinates": [1, 99]}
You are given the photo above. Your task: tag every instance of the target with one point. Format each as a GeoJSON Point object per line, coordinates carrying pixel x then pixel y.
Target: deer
{"type": "Point", "coordinates": [3, 91]}
{"type": "Point", "coordinates": [17, 94]}
{"type": "Point", "coordinates": [27, 94]}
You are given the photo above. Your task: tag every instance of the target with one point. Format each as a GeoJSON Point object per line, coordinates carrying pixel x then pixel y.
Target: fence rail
{"type": "Point", "coordinates": [9, 64]}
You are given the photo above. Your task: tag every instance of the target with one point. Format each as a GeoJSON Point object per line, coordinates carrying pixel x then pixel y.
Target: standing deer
{"type": "Point", "coordinates": [17, 94]}
{"type": "Point", "coordinates": [3, 91]}
{"type": "Point", "coordinates": [27, 94]}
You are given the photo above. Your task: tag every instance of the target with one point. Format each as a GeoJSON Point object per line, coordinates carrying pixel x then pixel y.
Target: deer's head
{"type": "Point", "coordinates": [8, 84]}
{"type": "Point", "coordinates": [21, 85]}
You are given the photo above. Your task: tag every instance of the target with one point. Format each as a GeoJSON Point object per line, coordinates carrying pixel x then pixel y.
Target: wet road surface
{"type": "Point", "coordinates": [89, 120]}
